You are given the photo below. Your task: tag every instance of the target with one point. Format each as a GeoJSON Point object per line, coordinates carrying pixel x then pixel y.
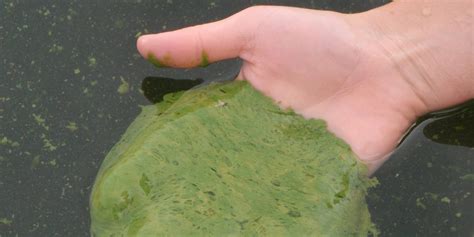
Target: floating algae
{"type": "Point", "coordinates": [224, 160]}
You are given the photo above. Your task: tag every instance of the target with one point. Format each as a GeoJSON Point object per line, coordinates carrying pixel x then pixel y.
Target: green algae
{"type": "Point", "coordinates": [204, 59]}
{"type": "Point", "coordinates": [8, 142]}
{"type": "Point", "coordinates": [40, 121]}
{"type": "Point", "coordinates": [92, 61]}
{"type": "Point", "coordinates": [166, 60]}
{"type": "Point", "coordinates": [218, 161]}
{"type": "Point", "coordinates": [124, 87]}
{"type": "Point", "coordinates": [469, 177]}
{"type": "Point", "coordinates": [47, 143]}
{"type": "Point", "coordinates": [72, 126]}
{"type": "Point", "coordinates": [5, 221]}
{"type": "Point", "coordinates": [145, 184]}
{"type": "Point", "coordinates": [445, 200]}
{"type": "Point", "coordinates": [154, 60]}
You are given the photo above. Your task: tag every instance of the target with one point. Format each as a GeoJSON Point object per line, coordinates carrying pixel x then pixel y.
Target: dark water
{"type": "Point", "coordinates": [427, 186]}
{"type": "Point", "coordinates": [71, 82]}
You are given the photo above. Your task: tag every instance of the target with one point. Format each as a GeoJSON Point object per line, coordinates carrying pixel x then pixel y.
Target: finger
{"type": "Point", "coordinates": [197, 45]}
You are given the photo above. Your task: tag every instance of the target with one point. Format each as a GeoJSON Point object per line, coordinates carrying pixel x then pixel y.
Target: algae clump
{"type": "Point", "coordinates": [224, 160]}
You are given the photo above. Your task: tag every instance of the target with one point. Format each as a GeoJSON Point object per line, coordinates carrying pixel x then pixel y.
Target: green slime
{"type": "Point", "coordinates": [224, 160]}
{"type": "Point", "coordinates": [163, 63]}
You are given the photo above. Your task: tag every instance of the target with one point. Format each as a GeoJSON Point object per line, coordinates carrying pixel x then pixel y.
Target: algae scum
{"type": "Point", "coordinates": [224, 160]}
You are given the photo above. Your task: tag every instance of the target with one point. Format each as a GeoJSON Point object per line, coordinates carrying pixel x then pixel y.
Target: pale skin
{"type": "Point", "coordinates": [368, 75]}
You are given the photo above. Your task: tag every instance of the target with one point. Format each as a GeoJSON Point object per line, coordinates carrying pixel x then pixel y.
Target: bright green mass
{"type": "Point", "coordinates": [224, 160]}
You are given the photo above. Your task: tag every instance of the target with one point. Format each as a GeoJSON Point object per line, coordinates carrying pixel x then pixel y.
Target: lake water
{"type": "Point", "coordinates": [71, 82]}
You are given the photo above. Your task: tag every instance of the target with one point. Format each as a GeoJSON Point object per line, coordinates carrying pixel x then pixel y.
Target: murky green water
{"type": "Point", "coordinates": [71, 82]}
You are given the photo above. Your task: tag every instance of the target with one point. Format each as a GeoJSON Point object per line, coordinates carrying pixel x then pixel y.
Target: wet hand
{"type": "Point", "coordinates": [316, 62]}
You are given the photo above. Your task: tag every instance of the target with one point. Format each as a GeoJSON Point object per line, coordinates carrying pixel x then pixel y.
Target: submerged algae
{"type": "Point", "coordinates": [190, 167]}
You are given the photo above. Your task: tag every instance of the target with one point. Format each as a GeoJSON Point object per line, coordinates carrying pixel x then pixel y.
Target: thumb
{"type": "Point", "coordinates": [197, 45]}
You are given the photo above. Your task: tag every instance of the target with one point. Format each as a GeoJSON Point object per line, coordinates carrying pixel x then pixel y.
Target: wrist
{"type": "Point", "coordinates": [428, 43]}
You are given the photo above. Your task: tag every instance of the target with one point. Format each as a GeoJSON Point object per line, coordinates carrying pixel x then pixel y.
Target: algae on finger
{"type": "Point", "coordinates": [187, 167]}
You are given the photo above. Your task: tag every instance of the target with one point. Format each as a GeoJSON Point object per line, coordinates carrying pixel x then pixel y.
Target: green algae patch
{"type": "Point", "coordinates": [5, 221]}
{"type": "Point", "coordinates": [8, 142]}
{"type": "Point", "coordinates": [124, 87]}
{"type": "Point", "coordinates": [40, 121]}
{"type": "Point", "coordinates": [224, 160]}
{"type": "Point", "coordinates": [204, 59]}
{"type": "Point", "coordinates": [165, 61]}
{"type": "Point", "coordinates": [155, 61]}
{"type": "Point", "coordinates": [72, 126]}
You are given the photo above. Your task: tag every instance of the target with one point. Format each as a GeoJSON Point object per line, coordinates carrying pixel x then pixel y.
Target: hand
{"type": "Point", "coordinates": [322, 64]}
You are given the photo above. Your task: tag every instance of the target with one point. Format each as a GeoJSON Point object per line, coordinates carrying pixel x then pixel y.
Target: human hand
{"type": "Point", "coordinates": [321, 64]}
